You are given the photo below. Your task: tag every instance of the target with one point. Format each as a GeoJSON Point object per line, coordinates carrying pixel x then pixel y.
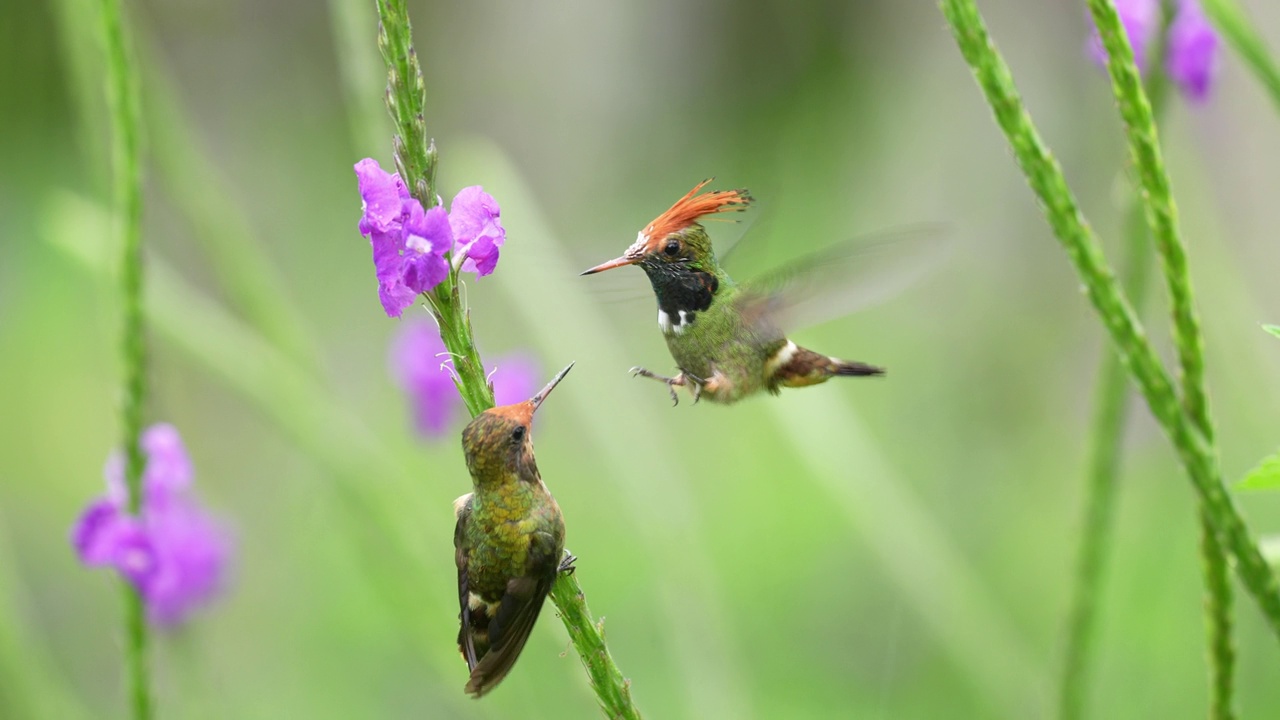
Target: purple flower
{"type": "Point", "coordinates": [1193, 51]}
{"type": "Point", "coordinates": [418, 363]}
{"type": "Point", "coordinates": [1141, 19]}
{"type": "Point", "coordinates": [409, 243]}
{"type": "Point", "coordinates": [477, 234]}
{"type": "Point", "coordinates": [175, 554]}
{"type": "Point", "coordinates": [515, 378]}
{"type": "Point", "coordinates": [1192, 47]}
{"type": "Point", "coordinates": [421, 366]}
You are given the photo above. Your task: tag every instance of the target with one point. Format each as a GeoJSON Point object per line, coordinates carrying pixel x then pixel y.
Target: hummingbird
{"type": "Point", "coordinates": [725, 337]}
{"type": "Point", "coordinates": [508, 541]}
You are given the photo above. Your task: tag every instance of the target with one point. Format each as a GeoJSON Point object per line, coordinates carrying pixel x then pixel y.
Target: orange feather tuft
{"type": "Point", "coordinates": [521, 412]}
{"type": "Point", "coordinates": [692, 206]}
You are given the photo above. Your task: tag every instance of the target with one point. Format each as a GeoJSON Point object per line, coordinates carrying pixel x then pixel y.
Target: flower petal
{"type": "Point", "coordinates": [474, 213]}
{"type": "Point", "coordinates": [428, 232]}
{"type": "Point", "coordinates": [417, 354]}
{"type": "Point", "coordinates": [134, 554]}
{"type": "Point", "coordinates": [395, 296]}
{"type": "Point", "coordinates": [168, 470]}
{"type": "Point", "coordinates": [477, 232]}
{"type": "Point", "coordinates": [382, 194]}
{"type": "Point", "coordinates": [1141, 19]}
{"type": "Point", "coordinates": [482, 256]}
{"type": "Point", "coordinates": [1193, 51]}
{"type": "Point", "coordinates": [515, 379]}
{"type": "Point", "coordinates": [95, 532]}
{"type": "Point", "coordinates": [192, 553]}
{"type": "Point", "coordinates": [427, 239]}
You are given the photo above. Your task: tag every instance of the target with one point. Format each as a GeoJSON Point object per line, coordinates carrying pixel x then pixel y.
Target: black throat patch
{"type": "Point", "coordinates": [682, 291]}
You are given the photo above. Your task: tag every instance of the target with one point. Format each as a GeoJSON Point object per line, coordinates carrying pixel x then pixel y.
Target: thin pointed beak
{"type": "Point", "coordinates": [615, 263]}
{"type": "Point", "coordinates": [544, 392]}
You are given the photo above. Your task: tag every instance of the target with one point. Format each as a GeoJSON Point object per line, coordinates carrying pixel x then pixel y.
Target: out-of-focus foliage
{"type": "Point", "coordinates": [896, 548]}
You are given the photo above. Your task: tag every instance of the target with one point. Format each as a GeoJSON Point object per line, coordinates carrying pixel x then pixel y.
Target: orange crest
{"type": "Point", "coordinates": [692, 206]}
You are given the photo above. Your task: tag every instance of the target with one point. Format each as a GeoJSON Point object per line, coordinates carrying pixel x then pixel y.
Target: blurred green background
{"type": "Point", "coordinates": [884, 549]}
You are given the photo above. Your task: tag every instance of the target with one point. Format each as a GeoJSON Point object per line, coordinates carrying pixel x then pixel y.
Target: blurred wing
{"type": "Point", "coordinates": [845, 277]}
{"type": "Point", "coordinates": [518, 611]}
{"type": "Point", "coordinates": [466, 634]}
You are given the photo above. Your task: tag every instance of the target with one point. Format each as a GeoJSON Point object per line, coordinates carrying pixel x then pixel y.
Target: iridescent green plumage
{"type": "Point", "coordinates": [508, 541]}
{"type": "Point", "coordinates": [724, 336]}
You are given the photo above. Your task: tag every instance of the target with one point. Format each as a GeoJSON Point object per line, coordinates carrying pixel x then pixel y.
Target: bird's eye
{"type": "Point", "coordinates": [672, 248]}
{"type": "Point", "coordinates": [517, 435]}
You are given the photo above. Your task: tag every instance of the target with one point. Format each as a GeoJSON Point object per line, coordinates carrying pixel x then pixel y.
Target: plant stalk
{"type": "Point", "coordinates": [1062, 212]}
{"type": "Point", "coordinates": [415, 158]}
{"type": "Point", "coordinates": [126, 131]}
{"type": "Point", "coordinates": [1162, 219]}
{"type": "Point", "coordinates": [1111, 406]}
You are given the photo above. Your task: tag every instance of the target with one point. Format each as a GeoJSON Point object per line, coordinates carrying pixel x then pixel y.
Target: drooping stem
{"type": "Point", "coordinates": [126, 131]}
{"type": "Point", "coordinates": [1062, 212]}
{"type": "Point", "coordinates": [415, 158]}
{"type": "Point", "coordinates": [1162, 218]}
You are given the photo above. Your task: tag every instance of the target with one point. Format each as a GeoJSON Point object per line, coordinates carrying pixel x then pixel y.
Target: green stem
{"type": "Point", "coordinates": [415, 158]}
{"type": "Point", "coordinates": [1108, 433]}
{"type": "Point", "coordinates": [122, 98]}
{"type": "Point", "coordinates": [1162, 218]}
{"type": "Point", "coordinates": [1062, 212]}
{"type": "Point", "coordinates": [612, 689]}
{"type": "Point", "coordinates": [1240, 33]}
{"type": "Point", "coordinates": [1112, 404]}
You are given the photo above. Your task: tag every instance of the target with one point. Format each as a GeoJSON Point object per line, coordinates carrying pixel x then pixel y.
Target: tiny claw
{"type": "Point", "coordinates": [566, 565]}
{"type": "Point", "coordinates": [671, 383]}
{"type": "Point", "coordinates": [697, 383]}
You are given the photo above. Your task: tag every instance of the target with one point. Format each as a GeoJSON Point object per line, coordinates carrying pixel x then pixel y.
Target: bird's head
{"type": "Point", "coordinates": [675, 238]}
{"type": "Point", "coordinates": [499, 442]}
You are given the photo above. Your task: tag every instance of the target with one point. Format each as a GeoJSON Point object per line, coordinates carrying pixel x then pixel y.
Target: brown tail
{"type": "Point", "coordinates": [806, 367]}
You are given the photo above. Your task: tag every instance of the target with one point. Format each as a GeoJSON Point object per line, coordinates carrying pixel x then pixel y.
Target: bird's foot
{"type": "Point", "coordinates": [671, 382]}
{"type": "Point", "coordinates": [566, 564]}
{"type": "Point", "coordinates": [697, 384]}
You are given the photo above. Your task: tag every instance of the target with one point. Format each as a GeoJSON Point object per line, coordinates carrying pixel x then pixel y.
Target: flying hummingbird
{"type": "Point", "coordinates": [508, 541]}
{"type": "Point", "coordinates": [725, 337]}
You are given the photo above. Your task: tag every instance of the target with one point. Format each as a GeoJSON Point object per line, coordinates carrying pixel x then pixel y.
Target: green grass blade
{"type": "Point", "coordinates": [1062, 212]}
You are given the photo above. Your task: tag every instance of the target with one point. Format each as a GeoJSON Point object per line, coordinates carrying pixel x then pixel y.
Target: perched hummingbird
{"type": "Point", "coordinates": [724, 336]}
{"type": "Point", "coordinates": [508, 541]}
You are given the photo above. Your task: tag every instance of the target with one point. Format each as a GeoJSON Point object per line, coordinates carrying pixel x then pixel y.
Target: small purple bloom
{"type": "Point", "coordinates": [1141, 20]}
{"type": "Point", "coordinates": [477, 234]}
{"type": "Point", "coordinates": [418, 362]}
{"type": "Point", "coordinates": [382, 195]}
{"type": "Point", "coordinates": [175, 554]}
{"type": "Point", "coordinates": [421, 366]}
{"type": "Point", "coordinates": [515, 379]}
{"type": "Point", "coordinates": [408, 243]}
{"type": "Point", "coordinates": [1193, 51]}
{"type": "Point", "coordinates": [1192, 47]}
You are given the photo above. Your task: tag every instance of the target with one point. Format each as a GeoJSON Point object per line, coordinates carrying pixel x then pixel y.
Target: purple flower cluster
{"type": "Point", "coordinates": [410, 244]}
{"type": "Point", "coordinates": [1192, 48]}
{"type": "Point", "coordinates": [176, 554]}
{"type": "Point", "coordinates": [420, 365]}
